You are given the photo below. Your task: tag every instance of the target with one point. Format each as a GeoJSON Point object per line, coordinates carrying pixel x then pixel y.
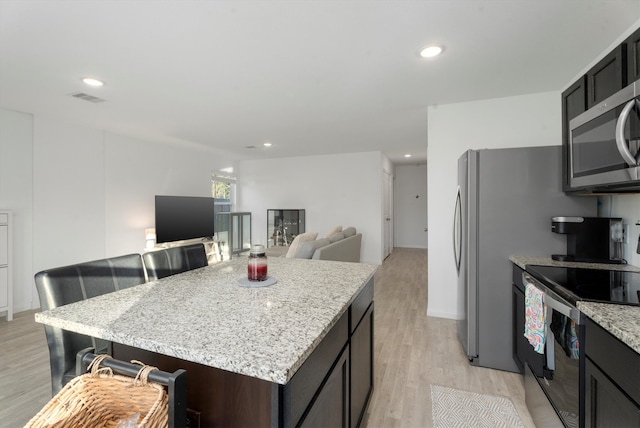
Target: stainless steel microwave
{"type": "Point", "coordinates": [604, 144]}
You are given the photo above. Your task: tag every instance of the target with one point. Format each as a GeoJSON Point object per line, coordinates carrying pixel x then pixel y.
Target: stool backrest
{"type": "Point", "coordinates": [63, 285]}
{"type": "Point", "coordinates": [174, 260]}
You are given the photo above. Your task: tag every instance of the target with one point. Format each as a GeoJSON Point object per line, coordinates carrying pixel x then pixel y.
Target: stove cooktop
{"type": "Point", "coordinates": [609, 286]}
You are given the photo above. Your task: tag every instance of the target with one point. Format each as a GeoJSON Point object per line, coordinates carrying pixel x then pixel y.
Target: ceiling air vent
{"type": "Point", "coordinates": [87, 97]}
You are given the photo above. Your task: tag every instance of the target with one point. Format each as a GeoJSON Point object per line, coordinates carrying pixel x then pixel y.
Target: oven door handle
{"type": "Point", "coordinates": [621, 141]}
{"type": "Point", "coordinates": [565, 310]}
{"type": "Point", "coordinates": [549, 301]}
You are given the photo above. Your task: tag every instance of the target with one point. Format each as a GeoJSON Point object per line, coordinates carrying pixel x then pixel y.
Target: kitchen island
{"type": "Point", "coordinates": [296, 352]}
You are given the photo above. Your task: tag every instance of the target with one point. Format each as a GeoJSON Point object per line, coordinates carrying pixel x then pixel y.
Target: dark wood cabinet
{"type": "Point", "coordinates": [522, 351]}
{"type": "Point", "coordinates": [343, 397]}
{"type": "Point", "coordinates": [615, 71]}
{"type": "Point", "coordinates": [331, 406]}
{"type": "Point", "coordinates": [520, 342]}
{"type": "Point", "coordinates": [332, 388]}
{"type": "Point", "coordinates": [574, 102]}
{"type": "Point", "coordinates": [633, 56]}
{"type": "Point", "coordinates": [361, 367]}
{"type": "Point", "coordinates": [607, 77]}
{"type": "Point", "coordinates": [606, 405]}
{"type": "Point", "coordinates": [611, 380]}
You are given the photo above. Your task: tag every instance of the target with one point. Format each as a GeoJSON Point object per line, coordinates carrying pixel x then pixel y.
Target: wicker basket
{"type": "Point", "coordinates": [101, 399]}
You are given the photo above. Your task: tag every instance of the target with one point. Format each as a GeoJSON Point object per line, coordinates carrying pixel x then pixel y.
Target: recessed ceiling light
{"type": "Point", "coordinates": [430, 51]}
{"type": "Point", "coordinates": [407, 155]}
{"type": "Point", "coordinates": [93, 82]}
{"type": "Point", "coordinates": [267, 144]}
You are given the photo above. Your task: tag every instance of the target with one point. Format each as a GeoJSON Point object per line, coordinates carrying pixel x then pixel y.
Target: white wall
{"type": "Point", "coordinates": [68, 221]}
{"type": "Point", "coordinates": [93, 191]}
{"type": "Point", "coordinates": [411, 206]}
{"type": "Point", "coordinates": [333, 190]}
{"type": "Point", "coordinates": [16, 193]}
{"type": "Point", "coordinates": [527, 120]}
{"type": "Point", "coordinates": [136, 172]}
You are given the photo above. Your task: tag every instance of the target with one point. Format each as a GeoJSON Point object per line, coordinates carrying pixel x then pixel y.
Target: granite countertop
{"type": "Point", "coordinates": [523, 261]}
{"type": "Point", "coordinates": [204, 316]}
{"type": "Point", "coordinates": [622, 321]}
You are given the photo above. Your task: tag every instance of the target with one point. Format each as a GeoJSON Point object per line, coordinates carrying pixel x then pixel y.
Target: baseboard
{"type": "Point", "coordinates": [439, 314]}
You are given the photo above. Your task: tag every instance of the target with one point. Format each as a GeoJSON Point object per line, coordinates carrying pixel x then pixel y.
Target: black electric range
{"type": "Point", "coordinates": [574, 284]}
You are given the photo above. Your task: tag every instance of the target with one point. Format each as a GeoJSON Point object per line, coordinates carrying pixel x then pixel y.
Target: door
{"type": "Point", "coordinates": [387, 208]}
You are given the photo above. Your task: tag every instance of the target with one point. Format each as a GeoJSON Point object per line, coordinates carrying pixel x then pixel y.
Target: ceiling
{"type": "Point", "coordinates": [312, 77]}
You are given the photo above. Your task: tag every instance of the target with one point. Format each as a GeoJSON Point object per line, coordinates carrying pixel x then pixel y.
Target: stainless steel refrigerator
{"type": "Point", "coordinates": [504, 204]}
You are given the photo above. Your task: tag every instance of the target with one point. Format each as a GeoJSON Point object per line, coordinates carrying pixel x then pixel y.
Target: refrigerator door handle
{"type": "Point", "coordinates": [457, 231]}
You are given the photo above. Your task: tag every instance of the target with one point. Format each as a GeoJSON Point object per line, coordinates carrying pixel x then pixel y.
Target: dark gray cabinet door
{"type": "Point", "coordinates": [605, 404]}
{"type": "Point", "coordinates": [361, 367]}
{"type": "Point", "coordinates": [607, 77]}
{"type": "Point", "coordinates": [574, 102]}
{"type": "Point", "coordinates": [519, 341]}
{"type": "Point", "coordinates": [331, 406]}
{"type": "Point", "coordinates": [633, 57]}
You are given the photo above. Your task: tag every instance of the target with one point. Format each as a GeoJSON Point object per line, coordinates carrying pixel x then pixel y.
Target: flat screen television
{"type": "Point", "coordinates": [179, 218]}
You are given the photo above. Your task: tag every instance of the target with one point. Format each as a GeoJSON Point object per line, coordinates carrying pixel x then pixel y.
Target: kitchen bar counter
{"type": "Point", "coordinates": [204, 316]}
{"type": "Point", "coordinates": [622, 321]}
{"type": "Point", "coordinates": [298, 352]}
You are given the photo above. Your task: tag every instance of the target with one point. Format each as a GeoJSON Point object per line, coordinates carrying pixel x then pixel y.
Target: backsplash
{"type": "Point", "coordinates": [628, 208]}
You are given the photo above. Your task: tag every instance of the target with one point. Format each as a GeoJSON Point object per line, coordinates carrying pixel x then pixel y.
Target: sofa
{"type": "Point", "coordinates": [338, 245]}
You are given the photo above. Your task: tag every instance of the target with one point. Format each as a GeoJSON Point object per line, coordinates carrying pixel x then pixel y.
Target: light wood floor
{"type": "Point", "coordinates": [412, 351]}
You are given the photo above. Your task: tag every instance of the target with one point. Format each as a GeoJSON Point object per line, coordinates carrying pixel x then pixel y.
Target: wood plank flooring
{"type": "Point", "coordinates": [412, 351]}
{"type": "Point", "coordinates": [24, 370]}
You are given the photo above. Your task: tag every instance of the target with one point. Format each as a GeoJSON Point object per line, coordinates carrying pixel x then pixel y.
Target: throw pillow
{"type": "Point", "coordinates": [308, 236]}
{"type": "Point", "coordinates": [307, 248]}
{"type": "Point", "coordinates": [332, 231]}
{"type": "Point", "coordinates": [336, 237]}
{"type": "Point", "coordinates": [349, 231]}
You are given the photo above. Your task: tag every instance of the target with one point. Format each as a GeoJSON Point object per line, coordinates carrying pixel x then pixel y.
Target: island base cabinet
{"type": "Point", "coordinates": [220, 398]}
{"type": "Point", "coordinates": [331, 406]}
{"type": "Point", "coordinates": [605, 404]}
{"type": "Point", "coordinates": [331, 388]}
{"type": "Point", "coordinates": [361, 368]}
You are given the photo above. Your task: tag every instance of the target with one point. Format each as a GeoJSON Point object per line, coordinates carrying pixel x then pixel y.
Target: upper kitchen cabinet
{"type": "Point", "coordinates": [574, 102]}
{"type": "Point", "coordinates": [633, 56]}
{"type": "Point", "coordinates": [607, 77]}
{"type": "Point", "coordinates": [599, 129]}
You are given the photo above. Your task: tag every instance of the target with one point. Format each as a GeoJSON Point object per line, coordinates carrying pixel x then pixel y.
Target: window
{"type": "Point", "coordinates": [223, 189]}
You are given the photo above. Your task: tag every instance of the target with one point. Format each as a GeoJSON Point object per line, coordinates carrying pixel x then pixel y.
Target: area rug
{"type": "Point", "coordinates": [456, 408]}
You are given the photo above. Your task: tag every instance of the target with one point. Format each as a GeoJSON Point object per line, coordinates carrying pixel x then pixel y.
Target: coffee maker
{"type": "Point", "coordinates": [590, 239]}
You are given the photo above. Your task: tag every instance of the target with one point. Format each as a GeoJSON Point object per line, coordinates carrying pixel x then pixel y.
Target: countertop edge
{"type": "Point", "coordinates": [523, 261]}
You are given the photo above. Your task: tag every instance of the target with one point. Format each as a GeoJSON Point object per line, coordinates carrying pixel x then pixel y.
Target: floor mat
{"type": "Point", "coordinates": [456, 408]}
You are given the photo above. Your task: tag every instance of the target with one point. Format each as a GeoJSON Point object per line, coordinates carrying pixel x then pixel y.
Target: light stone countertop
{"type": "Point", "coordinates": [622, 321]}
{"type": "Point", "coordinates": [523, 261]}
{"type": "Point", "coordinates": [205, 317]}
